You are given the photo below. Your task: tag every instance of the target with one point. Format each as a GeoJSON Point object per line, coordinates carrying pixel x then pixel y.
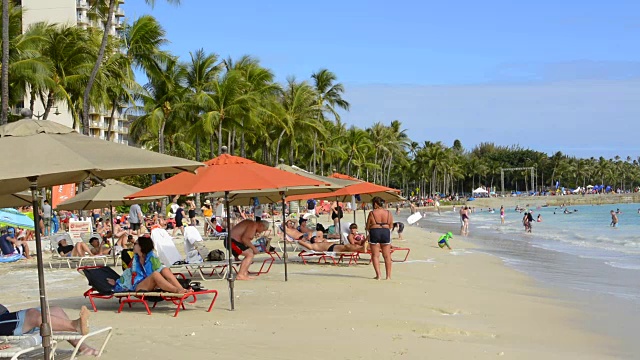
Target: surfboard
{"type": "Point", "coordinates": [414, 218]}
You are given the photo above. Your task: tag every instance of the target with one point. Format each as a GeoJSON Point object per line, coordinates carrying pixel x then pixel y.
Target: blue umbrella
{"type": "Point", "coordinates": [12, 217]}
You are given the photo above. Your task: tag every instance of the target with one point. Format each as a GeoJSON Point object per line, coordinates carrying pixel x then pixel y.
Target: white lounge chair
{"type": "Point", "coordinates": [15, 351]}
{"type": "Point", "coordinates": [69, 260]}
{"type": "Point", "coordinates": [66, 336]}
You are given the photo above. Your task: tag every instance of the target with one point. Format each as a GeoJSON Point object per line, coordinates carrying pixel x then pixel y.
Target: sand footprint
{"type": "Point", "coordinates": [446, 312]}
{"type": "Point", "coordinates": [445, 333]}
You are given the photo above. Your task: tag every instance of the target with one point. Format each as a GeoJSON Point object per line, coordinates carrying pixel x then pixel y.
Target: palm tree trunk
{"type": "Point", "coordinates": [4, 117]}
{"type": "Point", "coordinates": [322, 163]}
{"type": "Point", "coordinates": [32, 99]}
{"type": "Point", "coordinates": [161, 138]}
{"type": "Point", "coordinates": [110, 128]}
{"type": "Point", "coordinates": [48, 107]}
{"type": "Point", "coordinates": [96, 67]}
{"type": "Point", "coordinates": [198, 150]}
{"type": "Point", "coordinates": [275, 161]}
{"type": "Point", "coordinates": [243, 150]}
{"type": "Point", "coordinates": [389, 169]}
{"type": "Point", "coordinates": [211, 146]}
{"type": "Point", "coordinates": [315, 141]}
{"type": "Point", "coordinates": [219, 137]}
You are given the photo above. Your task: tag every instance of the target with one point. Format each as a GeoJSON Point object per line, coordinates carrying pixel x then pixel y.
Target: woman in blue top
{"type": "Point", "coordinates": [146, 272]}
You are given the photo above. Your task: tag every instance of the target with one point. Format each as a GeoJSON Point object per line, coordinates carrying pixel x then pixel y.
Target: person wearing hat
{"type": "Point", "coordinates": [444, 240]}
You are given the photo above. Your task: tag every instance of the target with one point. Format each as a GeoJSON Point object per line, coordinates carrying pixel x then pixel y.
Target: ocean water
{"type": "Point", "coordinates": [591, 265]}
{"type": "Point", "coordinates": [580, 250]}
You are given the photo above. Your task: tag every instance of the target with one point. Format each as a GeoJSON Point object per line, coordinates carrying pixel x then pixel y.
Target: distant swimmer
{"type": "Point", "coordinates": [539, 218]}
{"type": "Point", "coordinates": [502, 214]}
{"type": "Point", "coordinates": [566, 211]}
{"type": "Point", "coordinates": [618, 211]}
{"type": "Point", "coordinates": [614, 219]}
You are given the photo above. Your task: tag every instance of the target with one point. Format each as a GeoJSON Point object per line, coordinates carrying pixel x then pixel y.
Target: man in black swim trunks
{"type": "Point", "coordinates": [241, 244]}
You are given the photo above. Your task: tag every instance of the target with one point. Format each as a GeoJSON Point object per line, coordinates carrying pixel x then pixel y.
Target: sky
{"type": "Point", "coordinates": [546, 75]}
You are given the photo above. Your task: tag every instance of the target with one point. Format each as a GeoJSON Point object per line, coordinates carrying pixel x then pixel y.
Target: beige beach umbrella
{"type": "Point", "coordinates": [41, 153]}
{"type": "Point", "coordinates": [57, 154]}
{"type": "Point", "coordinates": [112, 193]}
{"type": "Point", "coordinates": [22, 198]}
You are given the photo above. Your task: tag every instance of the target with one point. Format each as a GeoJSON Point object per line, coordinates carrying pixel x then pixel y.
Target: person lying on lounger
{"type": "Point", "coordinates": [327, 247]}
{"type": "Point", "coordinates": [147, 272]}
{"type": "Point", "coordinates": [28, 321]}
{"type": "Point", "coordinates": [78, 250]}
{"type": "Point", "coordinates": [312, 237]}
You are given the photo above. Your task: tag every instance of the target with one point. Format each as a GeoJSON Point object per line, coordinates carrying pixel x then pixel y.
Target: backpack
{"type": "Point", "coordinates": [216, 255]}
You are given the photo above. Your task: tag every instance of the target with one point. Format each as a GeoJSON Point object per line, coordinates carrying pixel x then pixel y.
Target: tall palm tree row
{"type": "Point", "coordinates": [192, 107]}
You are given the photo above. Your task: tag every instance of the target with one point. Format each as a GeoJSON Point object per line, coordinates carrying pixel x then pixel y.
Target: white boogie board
{"type": "Point", "coordinates": [414, 218]}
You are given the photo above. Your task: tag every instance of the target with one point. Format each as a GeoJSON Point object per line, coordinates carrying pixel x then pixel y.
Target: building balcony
{"type": "Point", "coordinates": [95, 125]}
{"type": "Point", "coordinates": [119, 12]}
{"type": "Point", "coordinates": [83, 20]}
{"type": "Point", "coordinates": [81, 4]}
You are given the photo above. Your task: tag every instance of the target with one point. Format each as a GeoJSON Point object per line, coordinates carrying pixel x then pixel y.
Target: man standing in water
{"type": "Point", "coordinates": [241, 236]}
{"type": "Point", "coordinates": [614, 219]}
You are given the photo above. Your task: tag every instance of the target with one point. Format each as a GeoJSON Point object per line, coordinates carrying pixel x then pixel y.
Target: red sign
{"type": "Point", "coordinates": [62, 193]}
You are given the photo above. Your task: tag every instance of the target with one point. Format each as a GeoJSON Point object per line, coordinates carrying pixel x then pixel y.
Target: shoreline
{"type": "Point", "coordinates": [440, 304]}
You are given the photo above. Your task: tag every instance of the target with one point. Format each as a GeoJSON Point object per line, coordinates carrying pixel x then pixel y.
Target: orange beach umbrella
{"type": "Point", "coordinates": [240, 178]}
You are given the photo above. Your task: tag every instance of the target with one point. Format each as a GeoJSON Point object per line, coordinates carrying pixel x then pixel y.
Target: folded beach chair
{"type": "Point", "coordinates": [71, 260]}
{"type": "Point", "coordinates": [15, 351]}
{"type": "Point", "coordinates": [66, 336]}
{"type": "Point", "coordinates": [100, 289]}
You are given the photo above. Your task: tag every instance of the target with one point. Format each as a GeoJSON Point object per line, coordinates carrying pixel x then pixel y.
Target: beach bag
{"type": "Point", "coordinates": [216, 255]}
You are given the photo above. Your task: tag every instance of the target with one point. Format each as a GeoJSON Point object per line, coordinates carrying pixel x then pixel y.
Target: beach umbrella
{"type": "Point", "coordinates": [14, 218]}
{"type": "Point", "coordinates": [242, 179]}
{"type": "Point", "coordinates": [364, 192]}
{"type": "Point", "coordinates": [22, 198]}
{"type": "Point", "coordinates": [110, 193]}
{"type": "Point", "coordinates": [41, 153]}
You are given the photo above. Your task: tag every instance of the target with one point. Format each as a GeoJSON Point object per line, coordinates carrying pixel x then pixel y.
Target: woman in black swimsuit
{"type": "Point", "coordinates": [379, 223]}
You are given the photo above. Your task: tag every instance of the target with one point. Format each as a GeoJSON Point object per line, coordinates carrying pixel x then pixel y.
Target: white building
{"type": "Point", "coordinates": [74, 12]}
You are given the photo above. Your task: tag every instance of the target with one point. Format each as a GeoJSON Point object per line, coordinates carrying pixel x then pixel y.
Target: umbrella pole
{"type": "Point", "coordinates": [45, 327]}
{"type": "Point", "coordinates": [230, 278]}
{"type": "Point", "coordinates": [284, 239]}
{"type": "Point", "coordinates": [113, 244]}
{"type": "Point", "coordinates": [339, 229]}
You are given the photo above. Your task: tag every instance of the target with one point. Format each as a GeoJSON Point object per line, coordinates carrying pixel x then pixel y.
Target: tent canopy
{"type": "Point", "coordinates": [480, 191]}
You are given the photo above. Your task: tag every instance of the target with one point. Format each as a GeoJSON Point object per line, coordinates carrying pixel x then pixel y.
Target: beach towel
{"type": "Point", "coordinates": [195, 253]}
{"type": "Point", "coordinates": [164, 247]}
{"type": "Point", "coordinates": [10, 258]}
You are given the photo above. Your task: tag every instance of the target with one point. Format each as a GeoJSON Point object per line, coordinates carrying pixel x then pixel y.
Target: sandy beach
{"type": "Point", "coordinates": [440, 305]}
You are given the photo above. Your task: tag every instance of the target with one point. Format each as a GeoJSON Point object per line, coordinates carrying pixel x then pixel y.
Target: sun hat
{"type": "Point", "coordinates": [207, 202]}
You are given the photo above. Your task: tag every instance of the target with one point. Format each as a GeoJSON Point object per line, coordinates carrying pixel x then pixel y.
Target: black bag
{"type": "Point", "coordinates": [98, 279]}
{"type": "Point", "coordinates": [216, 255]}
{"type": "Point", "coordinates": [320, 227]}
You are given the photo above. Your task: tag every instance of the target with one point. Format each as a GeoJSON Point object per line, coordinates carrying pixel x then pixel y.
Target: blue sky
{"type": "Point", "coordinates": [549, 75]}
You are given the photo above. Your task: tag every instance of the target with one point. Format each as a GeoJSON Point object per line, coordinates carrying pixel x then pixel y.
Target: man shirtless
{"type": "Point", "coordinates": [241, 244]}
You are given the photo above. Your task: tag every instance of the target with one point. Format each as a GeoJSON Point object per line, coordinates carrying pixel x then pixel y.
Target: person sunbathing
{"type": "Point", "coordinates": [327, 247]}
{"type": "Point", "coordinates": [99, 247]}
{"type": "Point", "coordinates": [311, 236]}
{"type": "Point", "coordinates": [147, 272]}
{"type": "Point", "coordinates": [78, 250]}
{"type": "Point", "coordinates": [28, 321]}
{"type": "Point", "coordinates": [355, 238]}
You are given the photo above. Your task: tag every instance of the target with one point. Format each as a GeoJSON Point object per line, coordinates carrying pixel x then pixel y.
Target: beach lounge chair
{"type": "Point", "coordinates": [212, 234]}
{"type": "Point", "coordinates": [14, 352]}
{"type": "Point", "coordinates": [323, 256]}
{"type": "Point", "coordinates": [71, 260]}
{"type": "Point", "coordinates": [207, 270]}
{"type": "Point", "coordinates": [100, 289]}
{"type": "Point", "coordinates": [66, 336]}
{"type": "Point", "coordinates": [401, 250]}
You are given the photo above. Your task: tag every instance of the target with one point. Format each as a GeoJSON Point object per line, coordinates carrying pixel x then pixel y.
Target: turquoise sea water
{"type": "Point", "coordinates": [593, 265]}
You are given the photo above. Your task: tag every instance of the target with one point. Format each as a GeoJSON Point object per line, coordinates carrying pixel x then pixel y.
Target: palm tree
{"type": "Point", "coordinates": [329, 97]}
{"type": "Point", "coordinates": [99, 5]}
{"type": "Point", "coordinates": [356, 145]}
{"type": "Point", "coordinates": [164, 93]}
{"type": "Point", "coordinates": [201, 73]}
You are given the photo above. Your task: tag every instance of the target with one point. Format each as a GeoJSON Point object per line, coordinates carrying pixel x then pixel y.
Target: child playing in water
{"type": "Point", "coordinates": [444, 240]}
